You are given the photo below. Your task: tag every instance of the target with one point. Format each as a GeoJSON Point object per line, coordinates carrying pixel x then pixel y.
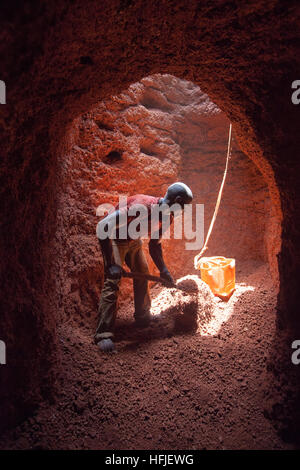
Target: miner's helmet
{"type": "Point", "coordinates": [178, 193]}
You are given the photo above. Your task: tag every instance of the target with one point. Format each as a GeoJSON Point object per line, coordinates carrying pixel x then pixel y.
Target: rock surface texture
{"type": "Point", "coordinates": [58, 60]}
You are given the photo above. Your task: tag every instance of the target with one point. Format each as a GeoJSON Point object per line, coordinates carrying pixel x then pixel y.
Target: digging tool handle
{"type": "Point", "coordinates": [149, 277]}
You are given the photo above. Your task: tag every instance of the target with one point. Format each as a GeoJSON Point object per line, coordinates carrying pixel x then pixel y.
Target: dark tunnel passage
{"type": "Point", "coordinates": [61, 118]}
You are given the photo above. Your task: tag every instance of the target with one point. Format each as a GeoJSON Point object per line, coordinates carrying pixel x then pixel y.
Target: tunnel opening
{"type": "Point", "coordinates": [66, 81]}
{"type": "Point", "coordinates": [183, 137]}
{"type": "Point", "coordinates": [143, 149]}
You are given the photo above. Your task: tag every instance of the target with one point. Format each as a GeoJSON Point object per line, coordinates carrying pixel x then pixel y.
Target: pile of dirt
{"type": "Point", "coordinates": [188, 308]}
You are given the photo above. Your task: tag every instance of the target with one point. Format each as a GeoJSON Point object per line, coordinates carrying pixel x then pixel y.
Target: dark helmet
{"type": "Point", "coordinates": [178, 193]}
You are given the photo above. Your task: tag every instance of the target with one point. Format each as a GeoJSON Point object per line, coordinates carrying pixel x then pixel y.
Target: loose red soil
{"type": "Point", "coordinates": [198, 378]}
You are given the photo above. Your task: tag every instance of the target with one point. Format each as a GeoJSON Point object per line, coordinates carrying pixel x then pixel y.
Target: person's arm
{"type": "Point", "coordinates": [106, 226]}
{"type": "Point", "coordinates": [104, 231]}
{"type": "Point", "coordinates": [155, 250]}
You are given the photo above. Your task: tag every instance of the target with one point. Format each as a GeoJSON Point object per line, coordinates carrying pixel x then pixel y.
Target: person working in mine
{"type": "Point", "coordinates": [116, 250]}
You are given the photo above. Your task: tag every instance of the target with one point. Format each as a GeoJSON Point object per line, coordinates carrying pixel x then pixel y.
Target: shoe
{"type": "Point", "coordinates": [106, 345]}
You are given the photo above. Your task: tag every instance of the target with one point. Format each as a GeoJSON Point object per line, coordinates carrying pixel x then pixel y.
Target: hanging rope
{"type": "Point", "coordinates": [197, 257]}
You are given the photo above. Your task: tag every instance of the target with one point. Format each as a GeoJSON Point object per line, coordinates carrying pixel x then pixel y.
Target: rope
{"type": "Point", "coordinates": [197, 257]}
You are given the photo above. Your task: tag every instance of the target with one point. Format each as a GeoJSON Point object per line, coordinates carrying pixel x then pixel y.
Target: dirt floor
{"type": "Point", "coordinates": [198, 378]}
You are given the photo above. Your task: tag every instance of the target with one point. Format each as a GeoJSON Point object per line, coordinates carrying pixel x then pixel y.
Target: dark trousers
{"type": "Point", "coordinates": [130, 252]}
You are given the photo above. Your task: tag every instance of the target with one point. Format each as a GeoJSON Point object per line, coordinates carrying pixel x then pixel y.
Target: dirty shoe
{"type": "Point", "coordinates": [106, 345]}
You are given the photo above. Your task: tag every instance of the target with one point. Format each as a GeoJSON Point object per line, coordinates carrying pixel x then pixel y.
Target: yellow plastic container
{"type": "Point", "coordinates": [219, 273]}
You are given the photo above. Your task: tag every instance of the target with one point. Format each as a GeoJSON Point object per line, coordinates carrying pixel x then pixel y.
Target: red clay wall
{"type": "Point", "coordinates": [58, 60]}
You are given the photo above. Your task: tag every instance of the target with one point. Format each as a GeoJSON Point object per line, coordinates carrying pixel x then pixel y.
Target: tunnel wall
{"type": "Point", "coordinates": [60, 59]}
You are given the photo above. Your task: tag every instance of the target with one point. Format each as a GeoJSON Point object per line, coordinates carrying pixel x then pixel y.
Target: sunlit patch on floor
{"type": "Point", "coordinates": [222, 311]}
{"type": "Point", "coordinates": [196, 307]}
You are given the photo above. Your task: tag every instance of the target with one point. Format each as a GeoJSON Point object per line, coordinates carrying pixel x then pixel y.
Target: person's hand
{"type": "Point", "coordinates": [167, 277]}
{"type": "Point", "coordinates": [106, 345]}
{"type": "Point", "coordinates": [114, 271]}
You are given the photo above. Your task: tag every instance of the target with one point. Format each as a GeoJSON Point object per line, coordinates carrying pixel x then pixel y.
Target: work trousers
{"type": "Point", "coordinates": [130, 252]}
